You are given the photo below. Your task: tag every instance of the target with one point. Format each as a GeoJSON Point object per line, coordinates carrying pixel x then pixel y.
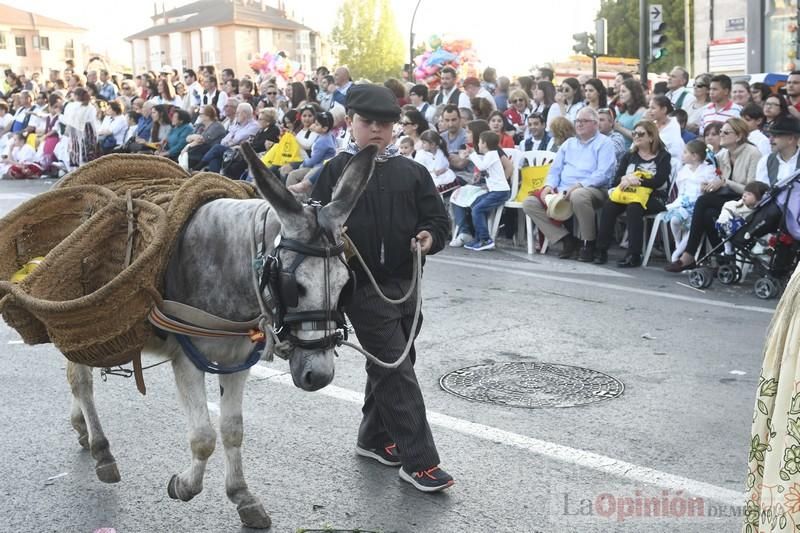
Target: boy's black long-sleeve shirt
{"type": "Point", "coordinates": [400, 201]}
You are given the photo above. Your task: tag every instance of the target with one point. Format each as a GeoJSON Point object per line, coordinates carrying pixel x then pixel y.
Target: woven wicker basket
{"type": "Point", "coordinates": [33, 230]}
{"type": "Point", "coordinates": [93, 306]}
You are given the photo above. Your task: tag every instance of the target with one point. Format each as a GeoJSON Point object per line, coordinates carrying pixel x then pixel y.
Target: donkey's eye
{"type": "Point", "coordinates": [301, 290]}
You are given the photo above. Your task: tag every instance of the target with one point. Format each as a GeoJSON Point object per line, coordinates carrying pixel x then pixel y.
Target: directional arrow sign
{"type": "Point", "coordinates": [656, 13]}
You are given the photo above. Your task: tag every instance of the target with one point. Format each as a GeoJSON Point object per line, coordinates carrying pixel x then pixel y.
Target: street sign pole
{"type": "Point", "coordinates": [644, 39]}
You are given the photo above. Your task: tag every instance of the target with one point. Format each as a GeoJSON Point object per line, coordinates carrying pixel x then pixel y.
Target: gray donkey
{"type": "Point", "coordinates": [212, 269]}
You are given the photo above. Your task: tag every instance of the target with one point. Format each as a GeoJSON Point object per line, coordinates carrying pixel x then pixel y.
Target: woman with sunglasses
{"type": "Point", "coordinates": [647, 155]}
{"type": "Point", "coordinates": [569, 100]}
{"type": "Point", "coordinates": [413, 125]}
{"type": "Point", "coordinates": [701, 100]}
{"type": "Point", "coordinates": [519, 109]}
{"type": "Point", "coordinates": [738, 161]}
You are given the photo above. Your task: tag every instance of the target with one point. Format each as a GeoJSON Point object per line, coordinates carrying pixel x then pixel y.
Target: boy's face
{"type": "Point", "coordinates": [536, 127]}
{"type": "Point", "coordinates": [406, 148]}
{"type": "Point", "coordinates": [749, 199]}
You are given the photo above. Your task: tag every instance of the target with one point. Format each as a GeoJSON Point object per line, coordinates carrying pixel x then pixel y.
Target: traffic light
{"type": "Point", "coordinates": [582, 44]}
{"type": "Point", "coordinates": [657, 41]}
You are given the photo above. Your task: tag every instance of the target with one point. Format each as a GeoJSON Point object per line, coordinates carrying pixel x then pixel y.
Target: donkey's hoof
{"type": "Point", "coordinates": [83, 440]}
{"type": "Point", "coordinates": [174, 491]}
{"type": "Point", "coordinates": [254, 516]}
{"type": "Point", "coordinates": [108, 472]}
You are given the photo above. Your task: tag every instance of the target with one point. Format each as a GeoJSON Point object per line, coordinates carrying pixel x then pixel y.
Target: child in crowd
{"type": "Point", "coordinates": [21, 161]}
{"type": "Point", "coordinates": [433, 156]}
{"type": "Point", "coordinates": [537, 138]}
{"type": "Point", "coordinates": [406, 147]}
{"type": "Point", "coordinates": [696, 171]}
{"type": "Point", "coordinates": [734, 212]}
{"type": "Point", "coordinates": [499, 191]}
{"type": "Point", "coordinates": [324, 146]}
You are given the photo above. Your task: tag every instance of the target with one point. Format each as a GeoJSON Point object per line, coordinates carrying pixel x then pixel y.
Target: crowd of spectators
{"type": "Point", "coordinates": [696, 145]}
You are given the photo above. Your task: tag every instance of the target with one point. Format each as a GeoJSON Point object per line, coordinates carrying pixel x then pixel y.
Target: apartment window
{"type": "Point", "coordinates": [3, 44]}
{"type": "Point", "coordinates": [69, 49]}
{"type": "Point", "coordinates": [20, 43]}
{"type": "Point", "coordinates": [44, 43]}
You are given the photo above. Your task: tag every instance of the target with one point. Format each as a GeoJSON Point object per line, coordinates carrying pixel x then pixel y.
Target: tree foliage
{"type": "Point", "coordinates": [623, 30]}
{"type": "Point", "coordinates": [369, 42]}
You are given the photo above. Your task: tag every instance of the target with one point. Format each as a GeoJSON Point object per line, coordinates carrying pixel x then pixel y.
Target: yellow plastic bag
{"type": "Point", "coordinates": [287, 150]}
{"type": "Point", "coordinates": [531, 179]}
{"type": "Point", "coordinates": [638, 194]}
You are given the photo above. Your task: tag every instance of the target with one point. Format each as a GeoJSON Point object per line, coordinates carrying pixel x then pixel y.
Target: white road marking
{"type": "Point", "coordinates": [602, 285]}
{"type": "Point", "coordinates": [16, 342]}
{"type": "Point", "coordinates": [543, 262]}
{"type": "Point", "coordinates": [584, 459]}
{"type": "Point", "coordinates": [15, 196]}
{"type": "Point", "coordinates": [213, 408]}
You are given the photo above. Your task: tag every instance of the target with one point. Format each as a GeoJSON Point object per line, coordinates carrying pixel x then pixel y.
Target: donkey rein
{"type": "Point", "coordinates": [416, 283]}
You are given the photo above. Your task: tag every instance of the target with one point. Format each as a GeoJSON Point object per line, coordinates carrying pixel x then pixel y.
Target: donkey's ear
{"type": "Point", "coordinates": [269, 185]}
{"type": "Point", "coordinates": [351, 184]}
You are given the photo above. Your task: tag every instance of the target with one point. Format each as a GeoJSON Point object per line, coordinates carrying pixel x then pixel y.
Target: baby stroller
{"type": "Point", "coordinates": [768, 243]}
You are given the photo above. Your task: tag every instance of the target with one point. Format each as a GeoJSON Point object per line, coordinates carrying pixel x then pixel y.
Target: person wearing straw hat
{"type": "Point", "coordinates": [581, 172]}
{"type": "Point", "coordinates": [784, 135]}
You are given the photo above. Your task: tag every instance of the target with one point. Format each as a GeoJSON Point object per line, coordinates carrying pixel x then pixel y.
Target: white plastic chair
{"type": "Point", "coordinates": [516, 157]}
{"type": "Point", "coordinates": [658, 224]}
{"type": "Point", "coordinates": [535, 158]}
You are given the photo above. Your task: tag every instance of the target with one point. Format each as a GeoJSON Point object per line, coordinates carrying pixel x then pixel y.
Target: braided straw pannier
{"type": "Point", "coordinates": [92, 303]}
{"type": "Point", "coordinates": [33, 230]}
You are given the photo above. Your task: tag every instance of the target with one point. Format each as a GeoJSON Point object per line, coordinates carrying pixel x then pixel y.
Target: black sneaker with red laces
{"type": "Point", "coordinates": [430, 480]}
{"type": "Point", "coordinates": [386, 455]}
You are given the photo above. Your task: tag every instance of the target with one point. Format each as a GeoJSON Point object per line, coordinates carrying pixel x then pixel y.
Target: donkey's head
{"type": "Point", "coordinates": [308, 266]}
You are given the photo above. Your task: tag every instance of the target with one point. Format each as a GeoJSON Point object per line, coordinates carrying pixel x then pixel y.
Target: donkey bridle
{"type": "Point", "coordinates": [283, 290]}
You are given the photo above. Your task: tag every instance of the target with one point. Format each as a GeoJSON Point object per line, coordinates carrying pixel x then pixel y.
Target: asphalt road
{"type": "Point", "coordinates": [689, 362]}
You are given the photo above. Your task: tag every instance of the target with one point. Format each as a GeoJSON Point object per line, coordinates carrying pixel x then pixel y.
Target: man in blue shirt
{"type": "Point", "coordinates": [582, 169]}
{"type": "Point", "coordinates": [343, 81]}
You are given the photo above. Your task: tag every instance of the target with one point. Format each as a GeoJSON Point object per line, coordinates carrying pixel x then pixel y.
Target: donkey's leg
{"type": "Point", "coordinates": [78, 422]}
{"type": "Point", "coordinates": [85, 420]}
{"type": "Point", "coordinates": [202, 437]}
{"type": "Point", "coordinates": [250, 509]}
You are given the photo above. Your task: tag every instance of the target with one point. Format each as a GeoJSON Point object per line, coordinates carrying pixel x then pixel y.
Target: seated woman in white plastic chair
{"type": "Point", "coordinates": [646, 165]}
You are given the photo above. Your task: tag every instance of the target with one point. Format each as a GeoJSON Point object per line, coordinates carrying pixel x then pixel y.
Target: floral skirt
{"type": "Point", "coordinates": [773, 478]}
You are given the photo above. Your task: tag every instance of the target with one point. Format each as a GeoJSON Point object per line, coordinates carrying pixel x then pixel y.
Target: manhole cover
{"type": "Point", "coordinates": [533, 385]}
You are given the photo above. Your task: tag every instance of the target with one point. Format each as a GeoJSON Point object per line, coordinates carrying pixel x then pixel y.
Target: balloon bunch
{"type": "Point", "coordinates": [278, 66]}
{"type": "Point", "coordinates": [441, 53]}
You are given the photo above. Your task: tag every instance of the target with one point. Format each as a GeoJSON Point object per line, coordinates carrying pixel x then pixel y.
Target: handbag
{"type": "Point", "coordinates": [531, 179]}
{"type": "Point", "coordinates": [633, 195]}
{"type": "Point", "coordinates": [286, 150]}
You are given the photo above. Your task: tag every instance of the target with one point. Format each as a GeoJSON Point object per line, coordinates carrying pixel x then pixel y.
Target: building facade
{"type": "Point", "coordinates": [745, 36]}
{"type": "Point", "coordinates": [30, 42]}
{"type": "Point", "coordinates": [225, 34]}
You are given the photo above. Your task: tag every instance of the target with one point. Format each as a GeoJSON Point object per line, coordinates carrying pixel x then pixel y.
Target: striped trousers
{"type": "Point", "coordinates": [394, 410]}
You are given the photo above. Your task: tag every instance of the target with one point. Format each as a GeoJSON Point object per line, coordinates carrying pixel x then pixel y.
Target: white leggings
{"type": "Point", "coordinates": [681, 236]}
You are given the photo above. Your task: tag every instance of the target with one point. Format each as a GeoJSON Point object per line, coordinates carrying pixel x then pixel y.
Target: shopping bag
{"type": "Point", "coordinates": [287, 150]}
{"type": "Point", "coordinates": [531, 179]}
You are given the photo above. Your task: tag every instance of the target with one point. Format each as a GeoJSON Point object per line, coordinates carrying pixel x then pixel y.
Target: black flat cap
{"type": "Point", "coordinates": [785, 126]}
{"type": "Point", "coordinates": [373, 102]}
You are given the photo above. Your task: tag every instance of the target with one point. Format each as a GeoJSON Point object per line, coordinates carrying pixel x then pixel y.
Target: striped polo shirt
{"type": "Point", "coordinates": [712, 114]}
